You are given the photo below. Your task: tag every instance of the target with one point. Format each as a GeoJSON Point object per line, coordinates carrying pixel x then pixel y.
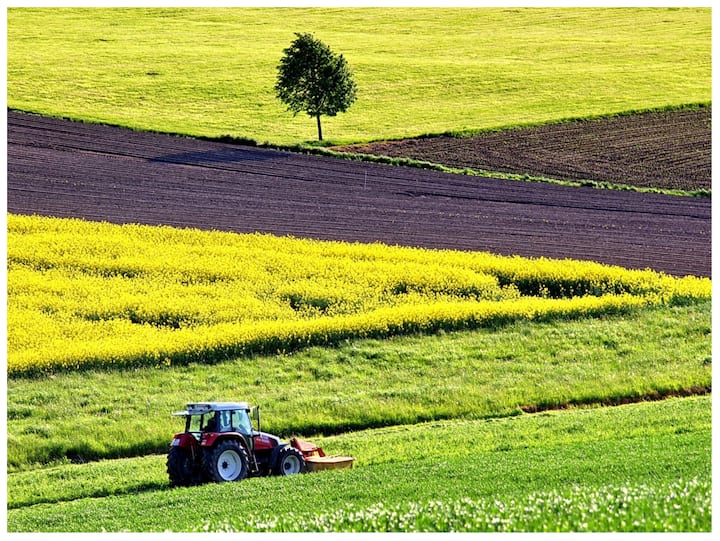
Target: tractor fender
{"type": "Point", "coordinates": [275, 454]}
{"type": "Point", "coordinates": [184, 440]}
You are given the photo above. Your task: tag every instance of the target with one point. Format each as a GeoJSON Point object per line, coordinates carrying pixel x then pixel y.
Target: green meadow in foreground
{"type": "Point", "coordinates": [636, 467]}
{"type": "Point", "coordinates": [211, 72]}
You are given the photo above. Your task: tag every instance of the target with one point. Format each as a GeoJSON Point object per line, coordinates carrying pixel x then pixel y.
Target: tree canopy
{"type": "Point", "coordinates": [313, 79]}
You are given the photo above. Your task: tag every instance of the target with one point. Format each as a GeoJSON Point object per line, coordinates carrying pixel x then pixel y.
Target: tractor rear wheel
{"type": "Point", "coordinates": [228, 461]}
{"type": "Point", "coordinates": [182, 470]}
{"type": "Point", "coordinates": [289, 462]}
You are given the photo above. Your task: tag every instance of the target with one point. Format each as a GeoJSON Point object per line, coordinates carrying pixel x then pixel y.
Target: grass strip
{"type": "Point", "coordinates": [432, 166]}
{"type": "Point", "coordinates": [639, 450]}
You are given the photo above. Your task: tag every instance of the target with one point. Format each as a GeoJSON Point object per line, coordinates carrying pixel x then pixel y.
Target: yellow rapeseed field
{"type": "Point", "coordinates": [89, 294]}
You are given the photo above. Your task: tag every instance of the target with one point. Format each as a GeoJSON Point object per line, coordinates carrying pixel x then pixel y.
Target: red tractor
{"type": "Point", "coordinates": [220, 444]}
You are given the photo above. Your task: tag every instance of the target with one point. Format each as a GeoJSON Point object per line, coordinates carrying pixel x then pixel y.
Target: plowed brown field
{"type": "Point", "coordinates": [669, 149]}
{"type": "Point", "coordinates": [95, 172]}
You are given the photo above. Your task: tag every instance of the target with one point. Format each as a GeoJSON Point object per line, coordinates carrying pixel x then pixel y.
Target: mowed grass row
{"type": "Point", "coordinates": [96, 295]}
{"type": "Point", "coordinates": [636, 467]}
{"type": "Point", "coordinates": [211, 72]}
{"type": "Point", "coordinates": [498, 372]}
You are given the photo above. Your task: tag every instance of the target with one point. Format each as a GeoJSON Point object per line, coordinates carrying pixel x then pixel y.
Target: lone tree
{"type": "Point", "coordinates": [313, 79]}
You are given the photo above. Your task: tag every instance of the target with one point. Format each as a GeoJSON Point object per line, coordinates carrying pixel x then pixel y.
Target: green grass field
{"type": "Point", "coordinates": [642, 467]}
{"type": "Point", "coordinates": [211, 71]}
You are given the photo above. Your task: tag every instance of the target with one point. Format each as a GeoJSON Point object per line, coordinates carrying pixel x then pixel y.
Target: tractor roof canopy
{"type": "Point", "coordinates": [199, 408]}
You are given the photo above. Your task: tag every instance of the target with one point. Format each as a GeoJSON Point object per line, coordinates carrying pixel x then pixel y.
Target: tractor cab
{"type": "Point", "coordinates": [210, 422]}
{"type": "Point", "coordinates": [213, 417]}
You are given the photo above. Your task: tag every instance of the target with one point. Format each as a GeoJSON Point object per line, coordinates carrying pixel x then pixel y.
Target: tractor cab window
{"type": "Point", "coordinates": [211, 423]}
{"type": "Point", "coordinates": [197, 423]}
{"type": "Point", "coordinates": [223, 418]}
{"type": "Point", "coordinates": [241, 422]}
{"type": "Point", "coordinates": [203, 423]}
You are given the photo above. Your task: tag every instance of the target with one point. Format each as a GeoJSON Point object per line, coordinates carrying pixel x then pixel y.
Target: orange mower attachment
{"type": "Point", "coordinates": [315, 458]}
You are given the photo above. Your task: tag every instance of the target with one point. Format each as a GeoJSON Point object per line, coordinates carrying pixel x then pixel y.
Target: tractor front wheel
{"type": "Point", "coordinates": [228, 461]}
{"type": "Point", "coordinates": [289, 462]}
{"type": "Point", "coordinates": [182, 470]}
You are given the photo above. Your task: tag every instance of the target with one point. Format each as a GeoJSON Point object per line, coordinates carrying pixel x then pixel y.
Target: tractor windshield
{"type": "Point", "coordinates": [221, 421]}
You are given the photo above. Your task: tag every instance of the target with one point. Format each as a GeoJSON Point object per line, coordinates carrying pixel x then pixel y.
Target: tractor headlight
{"type": "Point", "coordinates": [175, 442]}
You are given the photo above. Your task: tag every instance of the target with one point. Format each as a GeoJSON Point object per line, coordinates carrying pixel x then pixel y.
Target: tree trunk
{"type": "Point", "coordinates": [319, 128]}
